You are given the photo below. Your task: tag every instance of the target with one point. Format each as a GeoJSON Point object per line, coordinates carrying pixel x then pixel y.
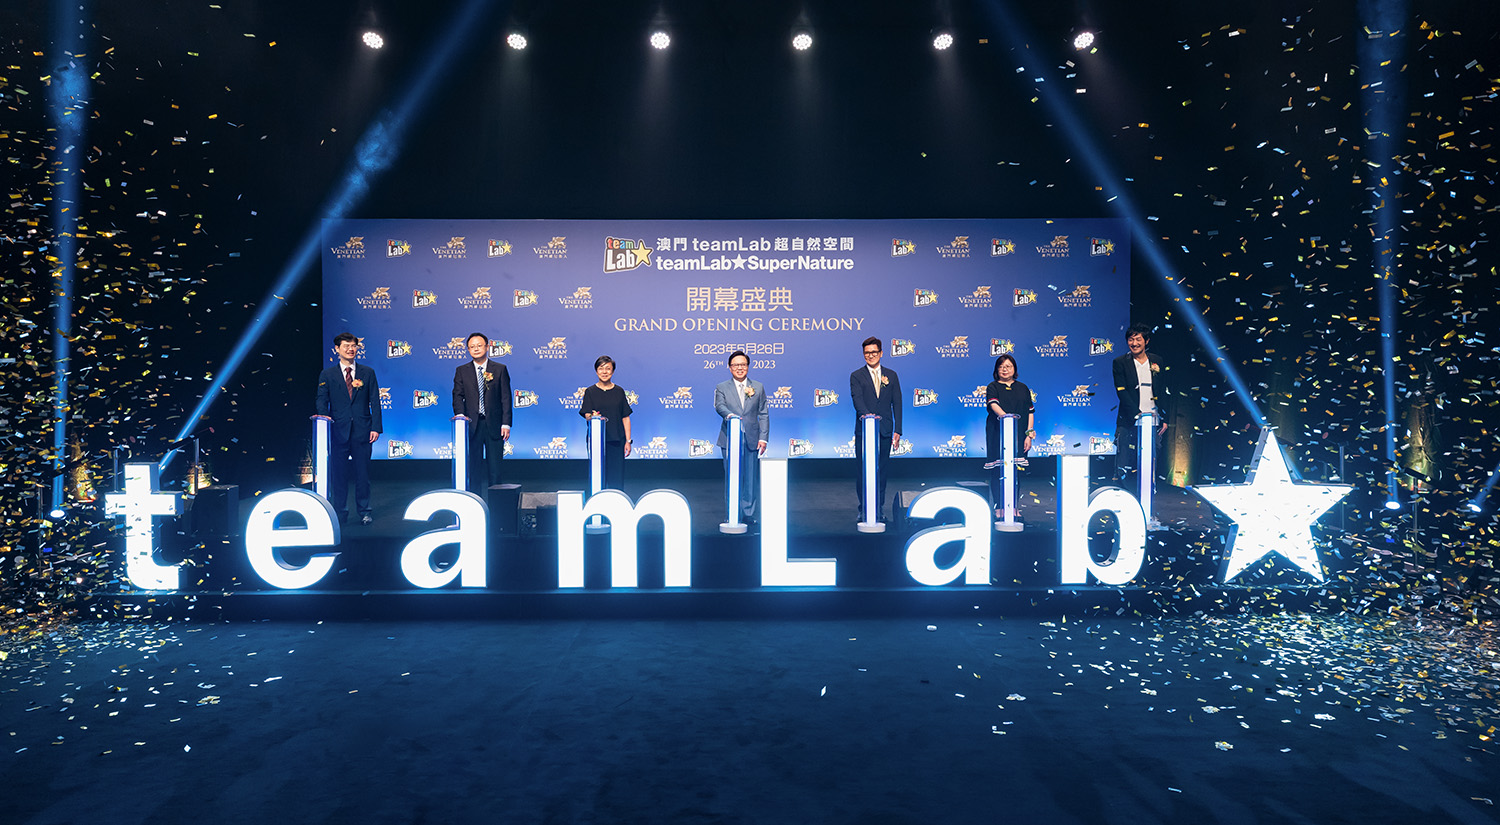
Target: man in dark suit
{"type": "Point", "coordinates": [349, 393]}
{"type": "Point", "coordinates": [481, 391]}
{"type": "Point", "coordinates": [875, 390]}
{"type": "Point", "coordinates": [745, 398]}
{"type": "Point", "coordinates": [1141, 386]}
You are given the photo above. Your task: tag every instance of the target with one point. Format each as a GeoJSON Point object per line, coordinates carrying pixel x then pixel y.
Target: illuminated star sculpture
{"type": "Point", "coordinates": [1272, 512]}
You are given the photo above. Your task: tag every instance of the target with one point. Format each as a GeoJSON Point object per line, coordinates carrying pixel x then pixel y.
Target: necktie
{"type": "Point", "coordinates": [479, 376]}
{"type": "Point", "coordinates": [349, 381]}
{"type": "Point", "coordinates": [876, 379]}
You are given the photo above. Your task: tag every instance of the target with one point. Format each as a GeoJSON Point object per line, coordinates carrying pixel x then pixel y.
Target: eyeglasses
{"type": "Point", "coordinates": [872, 352]}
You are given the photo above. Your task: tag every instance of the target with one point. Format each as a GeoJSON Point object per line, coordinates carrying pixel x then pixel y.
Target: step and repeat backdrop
{"type": "Point", "coordinates": [671, 300]}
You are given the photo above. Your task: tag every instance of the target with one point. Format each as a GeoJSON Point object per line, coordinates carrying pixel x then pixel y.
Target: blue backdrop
{"type": "Point", "coordinates": [670, 300]}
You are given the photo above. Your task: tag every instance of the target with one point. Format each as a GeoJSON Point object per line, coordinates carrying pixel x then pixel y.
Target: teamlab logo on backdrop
{"type": "Point", "coordinates": [781, 399]}
{"type": "Point", "coordinates": [1101, 346]}
{"type": "Point", "coordinates": [525, 398]}
{"type": "Point", "coordinates": [421, 399]}
{"type": "Point", "coordinates": [959, 248]}
{"type": "Point", "coordinates": [1081, 396]}
{"type": "Point", "coordinates": [974, 400]}
{"type": "Point", "coordinates": [422, 298]}
{"type": "Point", "coordinates": [924, 298]}
{"type": "Point", "coordinates": [556, 448]}
{"type": "Point", "coordinates": [632, 398]}
{"type": "Point", "coordinates": [1057, 249]}
{"type": "Point", "coordinates": [498, 248]}
{"type": "Point", "coordinates": [1000, 346]}
{"type": "Point", "coordinates": [510, 448]}
{"type": "Point", "coordinates": [901, 347]}
{"type": "Point", "coordinates": [397, 248]}
{"type": "Point", "coordinates": [574, 401]}
{"type": "Point", "coordinates": [555, 250]}
{"type": "Point", "coordinates": [957, 348]}
{"type": "Point", "coordinates": [481, 299]}
{"type": "Point", "coordinates": [903, 448]}
{"type": "Point", "coordinates": [901, 247]}
{"type": "Point", "coordinates": [923, 398]}
{"type": "Point", "coordinates": [681, 399]}
{"type": "Point", "coordinates": [397, 449]}
{"type": "Point", "coordinates": [385, 398]}
{"type": "Point", "coordinates": [1002, 246]}
{"type": "Point", "coordinates": [582, 298]}
{"type": "Point", "coordinates": [1052, 446]}
{"type": "Point", "coordinates": [656, 448]}
{"type": "Point", "coordinates": [1079, 298]}
{"type": "Point", "coordinates": [625, 254]}
{"type": "Point", "coordinates": [454, 249]}
{"type": "Point", "coordinates": [454, 350]}
{"type": "Point", "coordinates": [697, 447]}
{"type": "Point", "coordinates": [1023, 298]}
{"type": "Point", "coordinates": [351, 250]}
{"type": "Point", "coordinates": [1101, 445]}
{"type": "Point", "coordinates": [957, 446]}
{"type": "Point", "coordinates": [981, 299]}
{"type": "Point", "coordinates": [1101, 246]}
{"type": "Point", "coordinates": [797, 447]}
{"type": "Point", "coordinates": [379, 299]}
{"type": "Point", "coordinates": [500, 349]}
{"type": "Point", "coordinates": [1056, 348]}
{"type": "Point", "coordinates": [397, 349]}
{"type": "Point", "coordinates": [825, 398]}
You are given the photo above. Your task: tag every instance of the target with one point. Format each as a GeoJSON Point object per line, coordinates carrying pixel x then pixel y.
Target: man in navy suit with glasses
{"type": "Point", "coordinates": [349, 393]}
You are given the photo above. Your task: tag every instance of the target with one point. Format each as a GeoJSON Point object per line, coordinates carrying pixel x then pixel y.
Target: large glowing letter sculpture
{"type": "Point", "coordinates": [138, 503]}
{"type": "Point", "coordinates": [263, 538]}
{"type": "Point", "coordinates": [921, 551]}
{"type": "Point", "coordinates": [776, 570]}
{"type": "Point", "coordinates": [461, 452]}
{"type": "Point", "coordinates": [869, 431]}
{"type": "Point", "coordinates": [669, 505]}
{"type": "Point", "coordinates": [732, 476]}
{"type": "Point", "coordinates": [321, 435]}
{"type": "Point", "coordinates": [1076, 507]}
{"type": "Point", "coordinates": [469, 534]}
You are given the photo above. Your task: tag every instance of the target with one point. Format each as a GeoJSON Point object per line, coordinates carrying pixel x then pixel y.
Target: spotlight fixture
{"type": "Point", "coordinates": [1476, 507]}
{"type": "Point", "coordinates": [942, 41]}
{"type": "Point", "coordinates": [802, 41]}
{"type": "Point", "coordinates": [516, 40]}
{"type": "Point", "coordinates": [1392, 504]}
{"type": "Point", "coordinates": [1083, 41]}
{"type": "Point", "coordinates": [660, 40]}
{"type": "Point", "coordinates": [56, 513]}
{"type": "Point", "coordinates": [373, 40]}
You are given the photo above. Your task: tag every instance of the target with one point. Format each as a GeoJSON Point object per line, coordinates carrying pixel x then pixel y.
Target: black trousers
{"type": "Point", "coordinates": [486, 449]}
{"type": "Point", "coordinates": [345, 457]}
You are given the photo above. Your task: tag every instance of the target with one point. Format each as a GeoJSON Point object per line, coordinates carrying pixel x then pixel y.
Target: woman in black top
{"type": "Point", "coordinates": [606, 399]}
{"type": "Point", "coordinates": [1006, 396]}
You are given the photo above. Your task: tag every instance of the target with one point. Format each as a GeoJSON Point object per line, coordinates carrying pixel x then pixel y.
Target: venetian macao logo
{"type": "Point", "coordinates": [1053, 445]}
{"type": "Point", "coordinates": [385, 398]}
{"type": "Point", "coordinates": [1023, 298]}
{"type": "Point", "coordinates": [525, 398]}
{"type": "Point", "coordinates": [1056, 348]}
{"type": "Point", "coordinates": [981, 299]}
{"type": "Point", "coordinates": [572, 402]}
{"type": "Point", "coordinates": [582, 298]}
{"type": "Point", "coordinates": [655, 448]}
{"type": "Point", "coordinates": [924, 298]}
{"type": "Point", "coordinates": [397, 349]}
{"type": "Point", "coordinates": [1002, 246]}
{"type": "Point", "coordinates": [500, 349]}
{"type": "Point", "coordinates": [481, 299]}
{"type": "Point", "coordinates": [524, 298]}
{"type": "Point", "coordinates": [923, 398]}
{"type": "Point", "coordinates": [454, 248]}
{"type": "Point", "coordinates": [846, 450]}
{"type": "Point", "coordinates": [974, 400]}
{"type": "Point", "coordinates": [681, 399]}
{"type": "Point", "coordinates": [1057, 249]}
{"type": "Point", "coordinates": [1081, 396]}
{"type": "Point", "coordinates": [781, 399]}
{"type": "Point", "coordinates": [499, 248]}
{"type": "Point", "coordinates": [397, 449]}
{"type": "Point", "coordinates": [959, 248]}
{"type": "Point", "coordinates": [1000, 346]}
{"type": "Point", "coordinates": [444, 452]}
{"type": "Point", "coordinates": [1101, 346]}
{"type": "Point", "coordinates": [698, 447]}
{"type": "Point", "coordinates": [901, 247]}
{"type": "Point", "coordinates": [397, 248]}
{"type": "Point", "coordinates": [1101, 445]}
{"type": "Point", "coordinates": [1101, 246]}
{"type": "Point", "coordinates": [798, 447]}
{"type": "Point", "coordinates": [957, 348]}
{"type": "Point", "coordinates": [556, 249]}
{"type": "Point", "coordinates": [902, 346]}
{"type": "Point", "coordinates": [1078, 298]}
{"type": "Point", "coordinates": [625, 254]}
{"type": "Point", "coordinates": [352, 249]}
{"type": "Point", "coordinates": [379, 299]}
{"type": "Point", "coordinates": [956, 447]}
{"type": "Point", "coordinates": [824, 398]}
{"type": "Point", "coordinates": [423, 298]}
{"type": "Point", "coordinates": [556, 448]}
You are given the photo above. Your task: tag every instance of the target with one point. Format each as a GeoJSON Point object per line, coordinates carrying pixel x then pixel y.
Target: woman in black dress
{"type": "Point", "coordinates": [1006, 396]}
{"type": "Point", "coordinates": [607, 399]}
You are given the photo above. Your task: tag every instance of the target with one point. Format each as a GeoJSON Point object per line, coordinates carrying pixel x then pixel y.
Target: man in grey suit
{"type": "Point", "coordinates": [747, 399]}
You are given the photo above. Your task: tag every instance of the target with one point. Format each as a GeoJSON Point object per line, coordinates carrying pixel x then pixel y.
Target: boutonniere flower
{"type": "Point", "coordinates": [884, 381]}
{"type": "Point", "coordinates": [488, 377]}
{"type": "Point", "coordinates": [749, 391]}
{"type": "Point", "coordinates": [1155, 367]}
{"type": "Point", "coordinates": [358, 383]}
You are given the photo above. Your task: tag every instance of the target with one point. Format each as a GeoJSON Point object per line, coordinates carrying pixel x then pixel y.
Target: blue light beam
{"type": "Point", "coordinates": [68, 97]}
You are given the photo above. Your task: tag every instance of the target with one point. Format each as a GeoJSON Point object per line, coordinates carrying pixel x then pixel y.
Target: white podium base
{"type": "Point", "coordinates": [594, 529]}
{"type": "Point", "coordinates": [1009, 526]}
{"type": "Point", "coordinates": [870, 526]}
{"type": "Point", "coordinates": [734, 529]}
